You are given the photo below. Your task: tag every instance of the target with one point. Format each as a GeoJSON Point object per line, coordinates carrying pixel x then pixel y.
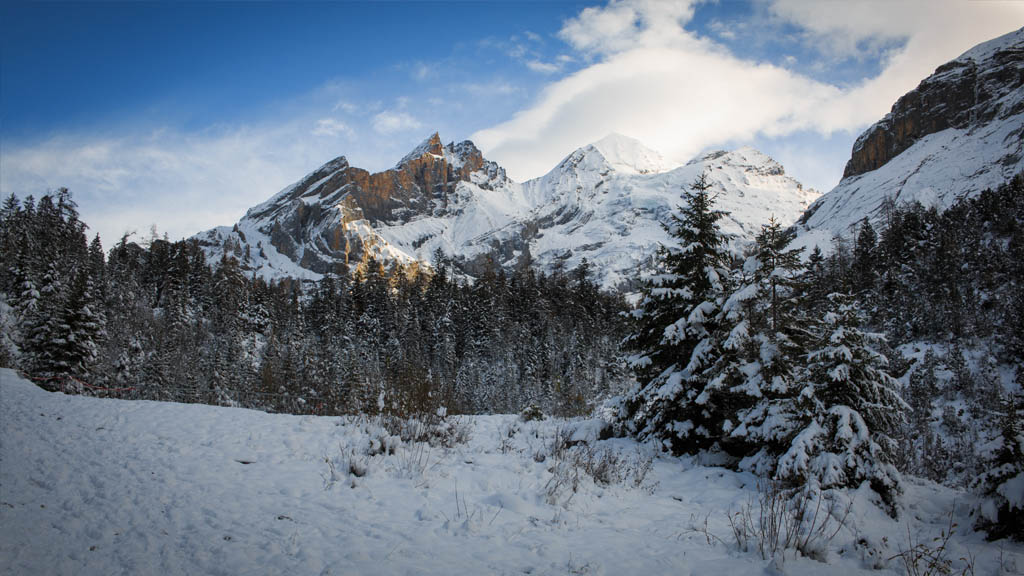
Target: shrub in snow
{"type": "Point", "coordinates": [433, 428]}
{"type": "Point", "coordinates": [531, 413]}
{"type": "Point", "coordinates": [804, 520]}
{"type": "Point", "coordinates": [574, 457]}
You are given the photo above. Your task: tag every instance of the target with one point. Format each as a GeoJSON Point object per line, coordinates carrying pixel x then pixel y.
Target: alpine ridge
{"type": "Point", "coordinates": [605, 202]}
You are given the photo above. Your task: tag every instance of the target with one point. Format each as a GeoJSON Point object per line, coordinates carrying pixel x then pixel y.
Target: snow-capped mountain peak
{"type": "Point", "coordinates": [431, 146]}
{"type": "Point", "coordinates": [746, 158]}
{"type": "Point", "coordinates": [629, 156]}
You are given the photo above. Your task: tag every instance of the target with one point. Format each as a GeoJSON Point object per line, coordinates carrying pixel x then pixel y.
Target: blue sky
{"type": "Point", "coordinates": [183, 115]}
{"type": "Point", "coordinates": [87, 66]}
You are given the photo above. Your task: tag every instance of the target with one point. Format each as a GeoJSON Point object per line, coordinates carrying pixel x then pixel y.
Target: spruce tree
{"type": "Point", "coordinates": [763, 337]}
{"type": "Point", "coordinates": [676, 318]}
{"type": "Point", "coordinates": [1002, 484]}
{"type": "Point", "coordinates": [851, 407]}
{"type": "Point", "coordinates": [46, 347]}
{"type": "Point", "coordinates": [864, 257]}
{"type": "Point", "coordinates": [86, 323]}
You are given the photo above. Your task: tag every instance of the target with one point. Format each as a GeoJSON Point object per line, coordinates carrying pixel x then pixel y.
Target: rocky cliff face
{"type": "Point", "coordinates": [605, 202]}
{"type": "Point", "coordinates": [959, 132]}
{"type": "Point", "coordinates": [970, 91]}
{"type": "Point", "coordinates": [325, 222]}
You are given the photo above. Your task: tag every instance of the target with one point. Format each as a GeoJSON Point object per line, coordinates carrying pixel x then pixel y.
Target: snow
{"type": "Point", "coordinates": [1013, 491]}
{"type": "Point", "coordinates": [606, 202]}
{"type": "Point", "coordinates": [937, 170]}
{"type": "Point", "coordinates": [985, 50]}
{"type": "Point", "coordinates": [628, 155]}
{"type": "Point", "coordinates": [101, 486]}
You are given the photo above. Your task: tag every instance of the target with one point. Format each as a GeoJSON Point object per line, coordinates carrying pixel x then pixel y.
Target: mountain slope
{"type": "Point", "coordinates": [959, 132]}
{"type": "Point", "coordinates": [605, 202]}
{"type": "Point", "coordinates": [614, 218]}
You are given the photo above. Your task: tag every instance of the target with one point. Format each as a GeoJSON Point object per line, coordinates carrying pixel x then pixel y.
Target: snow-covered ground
{"type": "Point", "coordinates": [99, 486]}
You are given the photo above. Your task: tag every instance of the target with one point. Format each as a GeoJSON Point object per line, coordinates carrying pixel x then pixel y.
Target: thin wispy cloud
{"type": "Point", "coordinates": [529, 50]}
{"type": "Point", "coordinates": [332, 127]}
{"type": "Point", "coordinates": [543, 67]}
{"type": "Point", "coordinates": [392, 121]}
{"type": "Point", "coordinates": [493, 88]}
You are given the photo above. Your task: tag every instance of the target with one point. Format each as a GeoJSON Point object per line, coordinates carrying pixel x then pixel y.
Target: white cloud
{"type": "Point", "coordinates": [543, 67]}
{"type": "Point", "coordinates": [391, 121]}
{"type": "Point", "coordinates": [424, 71]}
{"type": "Point", "coordinates": [722, 30]}
{"type": "Point", "coordinates": [332, 127]}
{"type": "Point", "coordinates": [628, 24]}
{"type": "Point", "coordinates": [651, 78]}
{"type": "Point", "coordinates": [345, 106]}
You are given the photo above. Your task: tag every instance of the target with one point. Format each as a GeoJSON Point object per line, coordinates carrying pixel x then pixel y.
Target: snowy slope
{"type": "Point", "coordinates": [614, 218]}
{"type": "Point", "coordinates": [93, 486]}
{"type": "Point", "coordinates": [959, 132]}
{"type": "Point", "coordinates": [605, 202]}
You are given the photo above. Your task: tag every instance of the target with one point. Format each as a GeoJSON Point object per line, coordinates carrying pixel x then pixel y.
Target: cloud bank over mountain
{"type": "Point", "coordinates": [654, 78]}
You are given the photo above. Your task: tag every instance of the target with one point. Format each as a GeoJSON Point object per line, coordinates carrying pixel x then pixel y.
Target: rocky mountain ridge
{"type": "Point", "coordinates": [605, 202]}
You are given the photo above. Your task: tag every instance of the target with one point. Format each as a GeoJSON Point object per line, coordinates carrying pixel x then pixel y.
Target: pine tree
{"type": "Point", "coordinates": [676, 320]}
{"type": "Point", "coordinates": [46, 346]}
{"type": "Point", "coordinates": [864, 257]}
{"type": "Point", "coordinates": [852, 406]}
{"type": "Point", "coordinates": [86, 322]}
{"type": "Point", "coordinates": [763, 336]}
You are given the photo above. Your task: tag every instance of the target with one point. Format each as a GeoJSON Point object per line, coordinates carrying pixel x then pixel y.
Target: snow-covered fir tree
{"type": "Point", "coordinates": [86, 323]}
{"type": "Point", "coordinates": [676, 318]}
{"type": "Point", "coordinates": [1002, 484]}
{"type": "Point", "coordinates": [849, 408]}
{"type": "Point", "coordinates": [762, 337]}
{"type": "Point", "coordinates": [46, 348]}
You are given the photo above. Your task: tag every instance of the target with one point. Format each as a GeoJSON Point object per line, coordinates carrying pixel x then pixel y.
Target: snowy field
{"type": "Point", "coordinates": [95, 486]}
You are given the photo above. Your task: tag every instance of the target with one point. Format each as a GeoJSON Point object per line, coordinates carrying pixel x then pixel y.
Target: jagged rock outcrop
{"type": "Point", "coordinates": [960, 131]}
{"type": "Point", "coordinates": [325, 222]}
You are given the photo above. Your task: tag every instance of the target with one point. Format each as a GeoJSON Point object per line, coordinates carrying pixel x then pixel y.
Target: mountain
{"type": "Point", "coordinates": [959, 132]}
{"type": "Point", "coordinates": [328, 221]}
{"type": "Point", "coordinates": [605, 202]}
{"type": "Point", "coordinates": [614, 217]}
